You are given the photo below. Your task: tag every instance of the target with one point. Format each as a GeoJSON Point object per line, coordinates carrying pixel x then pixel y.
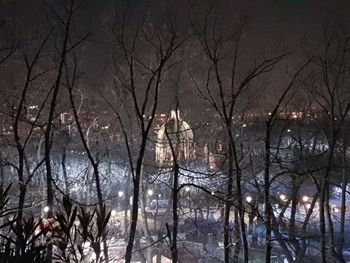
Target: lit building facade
{"type": "Point", "coordinates": [174, 134]}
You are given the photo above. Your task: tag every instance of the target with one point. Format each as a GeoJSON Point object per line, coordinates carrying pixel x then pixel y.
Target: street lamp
{"type": "Point", "coordinates": [283, 197]}
{"type": "Point", "coordinates": [120, 195]}
{"type": "Point", "coordinates": [46, 209]}
{"type": "Point", "coordinates": [249, 199]}
{"type": "Point", "coordinates": [305, 198]}
{"type": "Point", "coordinates": [150, 192]}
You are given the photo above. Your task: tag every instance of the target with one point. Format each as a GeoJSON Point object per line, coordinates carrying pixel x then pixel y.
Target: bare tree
{"type": "Point", "coordinates": [328, 92]}
{"type": "Point", "coordinates": [138, 80]}
{"type": "Point", "coordinates": [269, 124]}
{"type": "Point", "coordinates": [24, 124]}
{"type": "Point", "coordinates": [94, 160]}
{"type": "Point", "coordinates": [225, 83]}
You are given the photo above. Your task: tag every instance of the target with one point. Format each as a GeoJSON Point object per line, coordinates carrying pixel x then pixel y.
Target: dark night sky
{"type": "Point", "coordinates": [273, 25]}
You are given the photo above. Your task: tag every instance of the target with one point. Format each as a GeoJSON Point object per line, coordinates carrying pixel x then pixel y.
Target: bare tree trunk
{"type": "Point", "coordinates": [135, 203]}
{"type": "Point", "coordinates": [267, 201]}
{"type": "Point", "coordinates": [48, 131]}
{"type": "Point", "coordinates": [93, 161]}
{"type": "Point", "coordinates": [146, 230]}
{"type": "Point", "coordinates": [341, 239]}
{"type": "Point", "coordinates": [174, 249]}
{"type": "Point", "coordinates": [228, 202]}
{"type": "Point", "coordinates": [241, 209]}
{"type": "Point", "coordinates": [126, 205]}
{"type": "Point", "coordinates": [64, 171]}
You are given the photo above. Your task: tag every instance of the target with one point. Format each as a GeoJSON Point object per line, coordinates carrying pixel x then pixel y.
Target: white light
{"type": "Point", "coordinates": [336, 209]}
{"type": "Point", "coordinates": [305, 198]}
{"type": "Point", "coordinates": [244, 125]}
{"type": "Point", "coordinates": [212, 193]}
{"type": "Point", "coordinates": [33, 107]}
{"type": "Point", "coordinates": [46, 209]}
{"type": "Point", "coordinates": [120, 193]}
{"type": "Point", "coordinates": [113, 213]}
{"type": "Point", "coordinates": [249, 199]}
{"type": "Point", "coordinates": [283, 197]}
{"type": "Point", "coordinates": [308, 206]}
{"type": "Point", "coordinates": [187, 188]}
{"type": "Point", "coordinates": [289, 130]}
{"type": "Point", "coordinates": [150, 192]}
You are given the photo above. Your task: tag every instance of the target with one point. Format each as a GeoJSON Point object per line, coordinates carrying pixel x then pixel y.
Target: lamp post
{"type": "Point", "coordinates": [46, 209]}
{"type": "Point", "coordinates": [305, 198]}
{"type": "Point", "coordinates": [249, 199]}
{"type": "Point", "coordinates": [120, 198]}
{"type": "Point", "coordinates": [283, 197]}
{"type": "Point", "coordinates": [150, 193]}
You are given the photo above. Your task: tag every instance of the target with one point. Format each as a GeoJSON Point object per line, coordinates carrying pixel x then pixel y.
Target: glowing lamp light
{"type": "Point", "coordinates": [187, 188]}
{"type": "Point", "coordinates": [305, 198]}
{"type": "Point", "coordinates": [249, 199]}
{"type": "Point", "coordinates": [308, 206]}
{"type": "Point", "coordinates": [113, 213]}
{"type": "Point", "coordinates": [150, 192]}
{"type": "Point", "coordinates": [283, 197]}
{"type": "Point", "coordinates": [46, 209]}
{"type": "Point", "coordinates": [120, 193]}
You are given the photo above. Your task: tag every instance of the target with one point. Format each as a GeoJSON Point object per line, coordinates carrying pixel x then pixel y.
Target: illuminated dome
{"type": "Point", "coordinates": [177, 130]}
{"type": "Point", "coordinates": [178, 133]}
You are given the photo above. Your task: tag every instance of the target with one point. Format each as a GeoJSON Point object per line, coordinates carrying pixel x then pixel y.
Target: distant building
{"type": "Point", "coordinates": [177, 134]}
